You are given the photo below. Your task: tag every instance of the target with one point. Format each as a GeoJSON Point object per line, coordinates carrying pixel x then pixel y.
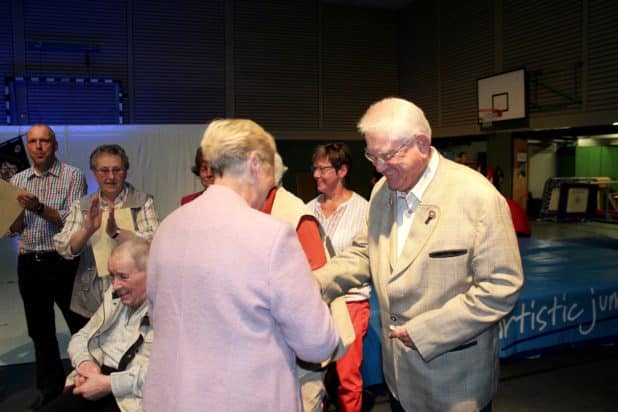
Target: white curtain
{"type": "Point", "coordinates": [160, 156]}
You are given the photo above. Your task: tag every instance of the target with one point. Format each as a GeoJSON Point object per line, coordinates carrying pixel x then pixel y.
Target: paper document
{"type": "Point", "coordinates": [102, 243]}
{"type": "Point", "coordinates": [9, 205]}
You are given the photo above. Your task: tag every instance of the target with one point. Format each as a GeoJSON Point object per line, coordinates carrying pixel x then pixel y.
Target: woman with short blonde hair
{"type": "Point", "coordinates": [233, 299]}
{"type": "Point", "coordinates": [227, 143]}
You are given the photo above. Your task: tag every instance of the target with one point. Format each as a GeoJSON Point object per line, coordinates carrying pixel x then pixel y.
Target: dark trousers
{"type": "Point", "coordinates": [397, 407]}
{"type": "Point", "coordinates": [45, 279]}
{"type": "Point", "coordinates": [67, 402]}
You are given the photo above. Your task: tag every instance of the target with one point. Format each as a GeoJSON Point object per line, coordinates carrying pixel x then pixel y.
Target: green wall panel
{"type": "Point", "coordinates": [596, 161]}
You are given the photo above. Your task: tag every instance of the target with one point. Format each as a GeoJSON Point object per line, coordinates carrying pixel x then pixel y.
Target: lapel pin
{"type": "Point", "coordinates": [430, 215]}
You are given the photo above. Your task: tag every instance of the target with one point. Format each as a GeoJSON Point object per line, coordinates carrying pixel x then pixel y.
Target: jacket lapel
{"type": "Point", "coordinates": [425, 221]}
{"type": "Point", "coordinates": [392, 246]}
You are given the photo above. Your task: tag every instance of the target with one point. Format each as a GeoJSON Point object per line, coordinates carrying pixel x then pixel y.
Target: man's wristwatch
{"type": "Point", "coordinates": [115, 235]}
{"type": "Point", "coordinates": [40, 208]}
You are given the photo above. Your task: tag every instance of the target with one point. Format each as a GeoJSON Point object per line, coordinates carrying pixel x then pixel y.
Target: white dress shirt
{"type": "Point", "coordinates": [408, 202]}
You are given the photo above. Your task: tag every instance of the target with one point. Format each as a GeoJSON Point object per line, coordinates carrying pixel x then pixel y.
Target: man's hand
{"type": "Point", "coordinates": [28, 201]}
{"type": "Point", "coordinates": [83, 368]}
{"type": "Point", "coordinates": [94, 386]}
{"type": "Point", "coordinates": [401, 333]}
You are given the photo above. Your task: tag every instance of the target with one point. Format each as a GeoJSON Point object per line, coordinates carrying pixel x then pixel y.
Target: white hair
{"type": "Point", "coordinates": [397, 118]}
{"type": "Point", "coordinates": [280, 169]}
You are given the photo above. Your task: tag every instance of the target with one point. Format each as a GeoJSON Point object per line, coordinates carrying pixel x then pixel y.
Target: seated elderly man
{"type": "Point", "coordinates": [110, 354]}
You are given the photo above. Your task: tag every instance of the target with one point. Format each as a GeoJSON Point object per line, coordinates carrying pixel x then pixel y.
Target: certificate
{"type": "Point", "coordinates": [9, 204]}
{"type": "Point", "coordinates": [102, 244]}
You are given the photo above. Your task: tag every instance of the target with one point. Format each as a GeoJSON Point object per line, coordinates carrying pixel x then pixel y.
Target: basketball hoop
{"type": "Point", "coordinates": [488, 116]}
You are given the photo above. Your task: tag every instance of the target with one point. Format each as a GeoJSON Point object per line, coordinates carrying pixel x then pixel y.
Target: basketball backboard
{"type": "Point", "coordinates": [502, 97]}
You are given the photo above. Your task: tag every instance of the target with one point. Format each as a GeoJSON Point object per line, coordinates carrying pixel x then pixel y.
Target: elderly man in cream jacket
{"type": "Point", "coordinates": [441, 251]}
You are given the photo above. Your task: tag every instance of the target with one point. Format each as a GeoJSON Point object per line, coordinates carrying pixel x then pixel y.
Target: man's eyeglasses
{"type": "Point", "coordinates": [385, 157]}
{"type": "Point", "coordinates": [321, 169]}
{"type": "Point", "coordinates": [104, 171]}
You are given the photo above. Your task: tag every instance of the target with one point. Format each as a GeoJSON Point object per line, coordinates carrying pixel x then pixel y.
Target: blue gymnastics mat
{"type": "Point", "coordinates": [570, 295]}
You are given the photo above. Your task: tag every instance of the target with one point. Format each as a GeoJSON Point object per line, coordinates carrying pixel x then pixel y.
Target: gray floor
{"type": "Point", "coordinates": [581, 379]}
{"type": "Point", "coordinates": [572, 380]}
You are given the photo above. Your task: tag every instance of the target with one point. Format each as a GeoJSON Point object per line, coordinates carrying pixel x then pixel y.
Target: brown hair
{"type": "Point", "coordinates": [337, 153]}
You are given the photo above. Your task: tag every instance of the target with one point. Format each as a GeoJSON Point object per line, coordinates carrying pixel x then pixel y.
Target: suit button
{"type": "Point", "coordinates": [394, 318]}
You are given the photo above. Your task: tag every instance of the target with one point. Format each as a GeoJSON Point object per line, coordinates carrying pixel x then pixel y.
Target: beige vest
{"type": "Point", "coordinates": [290, 209]}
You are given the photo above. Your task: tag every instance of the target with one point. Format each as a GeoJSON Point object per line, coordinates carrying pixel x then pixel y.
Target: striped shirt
{"type": "Point", "coordinates": [341, 227]}
{"type": "Point", "coordinates": [56, 188]}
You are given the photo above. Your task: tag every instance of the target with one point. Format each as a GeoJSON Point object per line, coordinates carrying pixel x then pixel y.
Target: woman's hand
{"type": "Point", "coordinates": [94, 216]}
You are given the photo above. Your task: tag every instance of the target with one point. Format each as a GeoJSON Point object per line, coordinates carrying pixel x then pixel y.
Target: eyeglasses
{"type": "Point", "coordinates": [104, 171]}
{"type": "Point", "coordinates": [321, 169]}
{"type": "Point", "coordinates": [385, 157]}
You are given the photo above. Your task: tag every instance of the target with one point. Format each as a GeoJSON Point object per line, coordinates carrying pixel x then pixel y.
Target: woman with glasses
{"type": "Point", "coordinates": [110, 164]}
{"type": "Point", "coordinates": [201, 170]}
{"type": "Point", "coordinates": [342, 212]}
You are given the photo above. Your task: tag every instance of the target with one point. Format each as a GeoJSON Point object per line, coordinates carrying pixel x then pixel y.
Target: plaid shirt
{"type": "Point", "coordinates": [57, 188]}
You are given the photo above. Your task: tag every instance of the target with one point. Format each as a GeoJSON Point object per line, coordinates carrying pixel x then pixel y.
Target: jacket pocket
{"type": "Point", "coordinates": [86, 279]}
{"type": "Point", "coordinates": [464, 346]}
{"type": "Point", "coordinates": [447, 253]}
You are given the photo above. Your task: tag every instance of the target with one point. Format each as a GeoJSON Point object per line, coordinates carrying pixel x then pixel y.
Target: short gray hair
{"type": "Point", "coordinates": [109, 149]}
{"type": "Point", "coordinates": [136, 248]}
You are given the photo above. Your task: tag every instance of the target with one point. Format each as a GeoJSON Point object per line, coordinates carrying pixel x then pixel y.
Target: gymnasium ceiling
{"type": "Point", "coordinates": [377, 4]}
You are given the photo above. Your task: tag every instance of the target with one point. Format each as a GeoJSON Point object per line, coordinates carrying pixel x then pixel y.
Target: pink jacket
{"type": "Point", "coordinates": [233, 301]}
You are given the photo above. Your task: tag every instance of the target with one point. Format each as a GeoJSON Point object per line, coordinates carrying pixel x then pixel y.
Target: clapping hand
{"type": "Point", "coordinates": [94, 215]}
{"type": "Point", "coordinates": [112, 227]}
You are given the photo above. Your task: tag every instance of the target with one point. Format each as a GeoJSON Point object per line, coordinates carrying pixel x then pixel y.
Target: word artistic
{"type": "Point", "coordinates": [561, 312]}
